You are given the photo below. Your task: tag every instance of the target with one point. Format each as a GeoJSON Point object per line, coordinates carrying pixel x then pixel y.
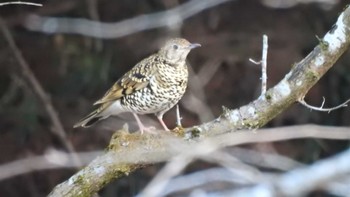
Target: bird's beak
{"type": "Point", "coordinates": [194, 45]}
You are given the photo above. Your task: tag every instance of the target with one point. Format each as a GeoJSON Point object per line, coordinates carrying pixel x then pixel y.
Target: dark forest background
{"type": "Point", "coordinates": [76, 70]}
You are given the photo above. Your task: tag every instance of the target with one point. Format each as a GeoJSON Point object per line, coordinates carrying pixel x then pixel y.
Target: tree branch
{"type": "Point", "coordinates": [294, 183]}
{"type": "Point", "coordinates": [127, 152]}
{"type": "Point", "coordinates": [21, 3]}
{"type": "Point", "coordinates": [119, 29]}
{"type": "Point", "coordinates": [52, 159]}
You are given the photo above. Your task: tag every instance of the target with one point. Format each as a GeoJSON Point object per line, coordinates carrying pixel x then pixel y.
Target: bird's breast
{"type": "Point", "coordinates": [171, 81]}
{"type": "Point", "coordinates": [164, 90]}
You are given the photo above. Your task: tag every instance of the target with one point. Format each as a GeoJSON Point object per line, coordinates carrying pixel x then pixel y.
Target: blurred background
{"type": "Point", "coordinates": [75, 70]}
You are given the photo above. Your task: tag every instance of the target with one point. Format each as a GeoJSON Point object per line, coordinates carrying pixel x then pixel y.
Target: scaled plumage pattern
{"type": "Point", "coordinates": [154, 85]}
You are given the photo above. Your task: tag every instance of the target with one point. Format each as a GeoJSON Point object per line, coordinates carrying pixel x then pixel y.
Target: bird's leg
{"type": "Point", "coordinates": [160, 118]}
{"type": "Point", "coordinates": [141, 126]}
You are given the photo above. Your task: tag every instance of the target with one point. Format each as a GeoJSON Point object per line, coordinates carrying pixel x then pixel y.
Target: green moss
{"type": "Point", "coordinates": [323, 44]}
{"type": "Point", "coordinates": [119, 171]}
{"type": "Point", "coordinates": [311, 76]}
{"type": "Point", "coordinates": [121, 139]}
{"type": "Point", "coordinates": [79, 179]}
{"type": "Point", "coordinates": [193, 133]}
{"type": "Point", "coordinates": [84, 189]}
{"type": "Point", "coordinates": [179, 131]}
{"type": "Point", "coordinates": [225, 111]}
{"type": "Point", "coordinates": [123, 170]}
{"type": "Point", "coordinates": [252, 124]}
{"type": "Point", "coordinates": [268, 96]}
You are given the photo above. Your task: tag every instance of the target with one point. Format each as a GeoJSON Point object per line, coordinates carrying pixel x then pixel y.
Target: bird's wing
{"type": "Point", "coordinates": [136, 79]}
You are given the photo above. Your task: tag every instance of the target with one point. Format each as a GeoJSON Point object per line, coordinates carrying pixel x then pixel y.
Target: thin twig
{"type": "Point", "coordinates": [321, 108]}
{"type": "Point", "coordinates": [263, 63]}
{"type": "Point", "coordinates": [254, 62]}
{"type": "Point", "coordinates": [27, 73]}
{"type": "Point", "coordinates": [21, 3]}
{"type": "Point", "coordinates": [52, 159]}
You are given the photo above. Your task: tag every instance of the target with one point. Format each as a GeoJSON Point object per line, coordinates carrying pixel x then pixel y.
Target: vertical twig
{"type": "Point", "coordinates": [38, 90]}
{"type": "Point", "coordinates": [264, 65]}
{"type": "Point", "coordinates": [178, 116]}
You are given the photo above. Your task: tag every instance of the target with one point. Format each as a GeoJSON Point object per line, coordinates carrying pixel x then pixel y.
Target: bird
{"type": "Point", "coordinates": [152, 86]}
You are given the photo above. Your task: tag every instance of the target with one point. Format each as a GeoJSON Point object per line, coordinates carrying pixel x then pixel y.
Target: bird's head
{"type": "Point", "coordinates": [176, 50]}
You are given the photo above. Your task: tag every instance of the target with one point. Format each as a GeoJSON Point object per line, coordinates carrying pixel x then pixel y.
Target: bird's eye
{"type": "Point", "coordinates": [175, 46]}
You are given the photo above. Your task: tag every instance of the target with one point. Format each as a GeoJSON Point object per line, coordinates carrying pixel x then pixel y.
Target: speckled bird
{"type": "Point", "coordinates": [154, 85]}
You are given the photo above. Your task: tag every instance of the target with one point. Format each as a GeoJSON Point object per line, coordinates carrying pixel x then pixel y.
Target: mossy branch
{"type": "Point", "coordinates": [128, 152]}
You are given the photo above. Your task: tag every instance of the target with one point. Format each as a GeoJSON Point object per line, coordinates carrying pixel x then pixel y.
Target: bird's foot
{"type": "Point", "coordinates": [142, 127]}
{"type": "Point", "coordinates": [160, 118]}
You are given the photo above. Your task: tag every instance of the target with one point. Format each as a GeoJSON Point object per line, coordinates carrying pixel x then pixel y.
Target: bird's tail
{"type": "Point", "coordinates": [92, 118]}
